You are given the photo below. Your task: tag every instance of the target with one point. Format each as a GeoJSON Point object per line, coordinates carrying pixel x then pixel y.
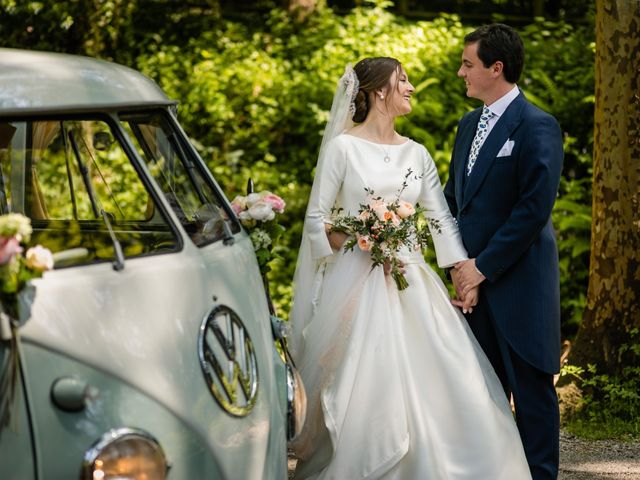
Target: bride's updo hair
{"type": "Point", "coordinates": [373, 73]}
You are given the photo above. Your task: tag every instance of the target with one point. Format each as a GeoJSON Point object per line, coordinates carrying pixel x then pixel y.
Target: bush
{"type": "Point", "coordinates": [609, 405]}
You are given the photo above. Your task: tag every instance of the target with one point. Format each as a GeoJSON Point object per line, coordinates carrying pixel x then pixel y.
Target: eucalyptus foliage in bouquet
{"type": "Point", "coordinates": [16, 268]}
{"type": "Point", "coordinates": [382, 229]}
{"type": "Point", "coordinates": [258, 214]}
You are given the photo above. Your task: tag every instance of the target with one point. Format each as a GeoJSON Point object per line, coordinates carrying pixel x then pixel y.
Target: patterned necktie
{"type": "Point", "coordinates": [478, 140]}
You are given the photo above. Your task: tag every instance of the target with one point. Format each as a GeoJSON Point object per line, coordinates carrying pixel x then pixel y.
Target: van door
{"type": "Point", "coordinates": [17, 456]}
{"type": "Point", "coordinates": [235, 344]}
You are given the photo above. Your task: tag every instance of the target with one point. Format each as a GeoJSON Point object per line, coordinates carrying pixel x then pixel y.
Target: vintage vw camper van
{"type": "Point", "coordinates": [149, 350]}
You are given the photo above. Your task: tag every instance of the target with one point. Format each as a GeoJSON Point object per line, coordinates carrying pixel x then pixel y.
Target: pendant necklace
{"type": "Point", "coordinates": [387, 157]}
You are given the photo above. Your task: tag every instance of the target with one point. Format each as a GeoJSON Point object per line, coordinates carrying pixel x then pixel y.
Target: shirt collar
{"type": "Point", "coordinates": [499, 106]}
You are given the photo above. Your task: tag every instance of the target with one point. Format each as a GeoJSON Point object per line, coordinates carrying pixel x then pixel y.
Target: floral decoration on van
{"type": "Point", "coordinates": [257, 213]}
{"type": "Point", "coordinates": [17, 267]}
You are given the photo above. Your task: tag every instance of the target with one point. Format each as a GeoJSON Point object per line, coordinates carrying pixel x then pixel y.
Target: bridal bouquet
{"type": "Point", "coordinates": [257, 213]}
{"type": "Point", "coordinates": [382, 228]}
{"type": "Point", "coordinates": [16, 269]}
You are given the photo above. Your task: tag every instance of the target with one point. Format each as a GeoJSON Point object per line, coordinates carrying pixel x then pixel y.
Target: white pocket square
{"type": "Point", "coordinates": [506, 149]}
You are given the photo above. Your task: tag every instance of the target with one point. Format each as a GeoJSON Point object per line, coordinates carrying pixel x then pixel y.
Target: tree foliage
{"type": "Point", "coordinates": [255, 91]}
{"type": "Point", "coordinates": [256, 103]}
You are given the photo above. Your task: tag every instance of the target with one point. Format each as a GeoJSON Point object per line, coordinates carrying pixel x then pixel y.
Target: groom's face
{"type": "Point", "coordinates": [479, 80]}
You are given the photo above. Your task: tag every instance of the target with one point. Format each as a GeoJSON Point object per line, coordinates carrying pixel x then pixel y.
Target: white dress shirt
{"type": "Point", "coordinates": [498, 108]}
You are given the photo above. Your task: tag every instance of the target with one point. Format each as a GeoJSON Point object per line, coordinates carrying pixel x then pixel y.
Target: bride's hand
{"type": "Point", "coordinates": [469, 301]}
{"type": "Point", "coordinates": [387, 267]}
{"type": "Point", "coordinates": [336, 239]}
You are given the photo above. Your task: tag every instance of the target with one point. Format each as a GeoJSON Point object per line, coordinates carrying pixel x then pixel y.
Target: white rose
{"type": "Point", "coordinates": [262, 211]}
{"type": "Point", "coordinates": [39, 258]}
{"type": "Point", "coordinates": [246, 219]}
{"type": "Point", "coordinates": [252, 198]}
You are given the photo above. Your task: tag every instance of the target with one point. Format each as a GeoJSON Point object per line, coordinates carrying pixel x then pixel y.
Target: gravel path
{"type": "Point", "coordinates": [582, 459]}
{"type": "Point", "coordinates": [598, 459]}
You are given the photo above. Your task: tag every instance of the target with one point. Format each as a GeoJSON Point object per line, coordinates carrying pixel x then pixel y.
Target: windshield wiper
{"type": "Point", "coordinates": [72, 191]}
{"type": "Point", "coordinates": [118, 263]}
{"type": "Point", "coordinates": [85, 174]}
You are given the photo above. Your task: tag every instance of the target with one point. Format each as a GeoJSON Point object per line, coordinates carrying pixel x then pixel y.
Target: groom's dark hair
{"type": "Point", "coordinates": [499, 42]}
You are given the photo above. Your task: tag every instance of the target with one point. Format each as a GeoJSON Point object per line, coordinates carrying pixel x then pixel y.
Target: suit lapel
{"type": "Point", "coordinates": [499, 134]}
{"type": "Point", "coordinates": [466, 135]}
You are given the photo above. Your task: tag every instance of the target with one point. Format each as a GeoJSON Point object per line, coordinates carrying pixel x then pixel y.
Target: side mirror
{"type": "Point", "coordinates": [102, 141]}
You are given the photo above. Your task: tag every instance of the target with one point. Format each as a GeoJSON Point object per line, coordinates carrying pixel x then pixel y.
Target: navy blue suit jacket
{"type": "Point", "coordinates": [503, 211]}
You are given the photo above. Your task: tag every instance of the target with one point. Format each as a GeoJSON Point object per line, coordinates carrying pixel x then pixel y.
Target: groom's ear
{"type": "Point", "coordinates": [497, 68]}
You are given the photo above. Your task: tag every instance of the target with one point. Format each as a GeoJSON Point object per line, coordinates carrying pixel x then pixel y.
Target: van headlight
{"type": "Point", "coordinates": [125, 454]}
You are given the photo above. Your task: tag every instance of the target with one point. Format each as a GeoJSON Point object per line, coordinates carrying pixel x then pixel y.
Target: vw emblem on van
{"type": "Point", "coordinates": [228, 361]}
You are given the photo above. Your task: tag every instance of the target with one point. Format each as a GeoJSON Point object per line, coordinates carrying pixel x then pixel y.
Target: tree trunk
{"type": "Point", "coordinates": [538, 8]}
{"type": "Point", "coordinates": [402, 7]}
{"type": "Point", "coordinates": [613, 297]}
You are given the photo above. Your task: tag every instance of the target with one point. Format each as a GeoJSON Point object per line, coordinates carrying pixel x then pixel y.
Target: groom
{"type": "Point", "coordinates": [503, 181]}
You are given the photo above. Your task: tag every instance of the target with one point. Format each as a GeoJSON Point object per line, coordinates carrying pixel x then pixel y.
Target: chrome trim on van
{"type": "Point", "coordinates": [228, 361]}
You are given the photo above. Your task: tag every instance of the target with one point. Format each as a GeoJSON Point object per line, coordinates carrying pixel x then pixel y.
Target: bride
{"type": "Point", "coordinates": [397, 385]}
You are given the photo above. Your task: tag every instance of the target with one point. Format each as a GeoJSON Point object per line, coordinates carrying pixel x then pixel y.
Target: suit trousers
{"type": "Point", "coordinates": [534, 395]}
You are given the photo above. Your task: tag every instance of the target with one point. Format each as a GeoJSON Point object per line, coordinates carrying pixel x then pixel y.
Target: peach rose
{"type": "Point", "coordinates": [382, 212]}
{"type": "Point", "coordinates": [405, 209]}
{"type": "Point", "coordinates": [364, 243]}
{"type": "Point", "coordinates": [364, 215]}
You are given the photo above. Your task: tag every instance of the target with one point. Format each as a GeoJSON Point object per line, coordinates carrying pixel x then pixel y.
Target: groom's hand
{"type": "Point", "coordinates": [469, 276]}
{"type": "Point", "coordinates": [465, 302]}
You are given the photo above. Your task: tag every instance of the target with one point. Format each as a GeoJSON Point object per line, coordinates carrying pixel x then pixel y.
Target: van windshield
{"type": "Point", "coordinates": [185, 185]}
{"type": "Point", "coordinates": [66, 175]}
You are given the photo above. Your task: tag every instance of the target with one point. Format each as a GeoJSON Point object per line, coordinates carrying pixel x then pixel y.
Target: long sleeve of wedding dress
{"type": "Point", "coordinates": [446, 236]}
{"type": "Point", "coordinates": [325, 189]}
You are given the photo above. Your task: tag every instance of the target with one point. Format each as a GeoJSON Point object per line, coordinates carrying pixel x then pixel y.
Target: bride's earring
{"type": "Point", "coordinates": [381, 97]}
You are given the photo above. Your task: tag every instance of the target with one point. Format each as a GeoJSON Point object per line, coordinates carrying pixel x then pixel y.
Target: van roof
{"type": "Point", "coordinates": [45, 82]}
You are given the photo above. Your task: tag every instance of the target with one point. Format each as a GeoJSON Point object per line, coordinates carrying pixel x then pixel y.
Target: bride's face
{"type": "Point", "coordinates": [399, 92]}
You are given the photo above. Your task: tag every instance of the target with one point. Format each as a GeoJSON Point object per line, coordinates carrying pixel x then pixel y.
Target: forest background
{"type": "Point", "coordinates": [255, 81]}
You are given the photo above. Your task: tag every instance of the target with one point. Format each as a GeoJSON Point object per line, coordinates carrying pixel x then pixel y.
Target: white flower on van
{"type": "Point", "coordinates": [262, 211]}
{"type": "Point", "coordinates": [39, 258]}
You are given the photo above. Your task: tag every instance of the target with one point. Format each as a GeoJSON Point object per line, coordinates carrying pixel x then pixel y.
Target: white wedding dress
{"type": "Point", "coordinates": [397, 386]}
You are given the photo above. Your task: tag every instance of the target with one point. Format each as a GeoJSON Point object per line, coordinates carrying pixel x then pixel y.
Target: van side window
{"type": "Point", "coordinates": [67, 175]}
{"type": "Point", "coordinates": [191, 196]}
